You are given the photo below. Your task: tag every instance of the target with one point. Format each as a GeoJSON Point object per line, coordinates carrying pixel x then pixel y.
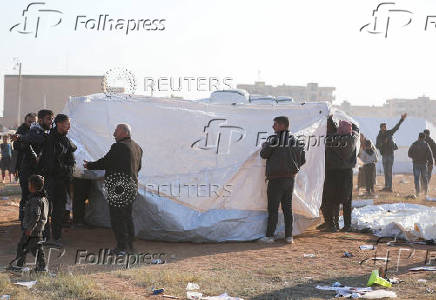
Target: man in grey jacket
{"type": "Point", "coordinates": [284, 158]}
{"type": "Point", "coordinates": [422, 156]}
{"type": "Point", "coordinates": [35, 218]}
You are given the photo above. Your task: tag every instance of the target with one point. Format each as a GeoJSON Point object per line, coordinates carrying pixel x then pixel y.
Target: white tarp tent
{"type": "Point", "coordinates": [402, 220]}
{"type": "Point", "coordinates": [404, 137]}
{"type": "Point", "coordinates": [213, 149]}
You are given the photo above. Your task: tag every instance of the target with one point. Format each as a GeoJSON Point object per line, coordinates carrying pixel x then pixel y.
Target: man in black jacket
{"type": "Point", "coordinates": [386, 145]}
{"type": "Point", "coordinates": [422, 156]}
{"type": "Point", "coordinates": [24, 128]}
{"type": "Point", "coordinates": [284, 158]}
{"type": "Point", "coordinates": [31, 145]}
{"type": "Point", "coordinates": [121, 164]}
{"type": "Point", "coordinates": [56, 165]}
{"type": "Point", "coordinates": [341, 158]}
{"type": "Point", "coordinates": [432, 145]}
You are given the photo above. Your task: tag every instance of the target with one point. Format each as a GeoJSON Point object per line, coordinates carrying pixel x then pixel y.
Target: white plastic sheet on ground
{"type": "Point", "coordinates": [214, 148]}
{"type": "Point", "coordinates": [404, 220]}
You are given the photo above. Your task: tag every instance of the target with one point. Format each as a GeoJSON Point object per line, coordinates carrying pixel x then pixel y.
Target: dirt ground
{"type": "Point", "coordinates": [248, 270]}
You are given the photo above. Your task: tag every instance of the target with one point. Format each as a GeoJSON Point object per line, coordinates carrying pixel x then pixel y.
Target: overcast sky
{"type": "Point", "coordinates": [292, 42]}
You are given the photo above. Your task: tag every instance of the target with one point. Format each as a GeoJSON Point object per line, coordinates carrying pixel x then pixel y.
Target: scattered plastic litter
{"type": "Point", "coordinates": [158, 291]}
{"type": "Point", "coordinates": [169, 296]}
{"type": "Point", "coordinates": [156, 261]}
{"type": "Point", "coordinates": [362, 202]}
{"type": "Point", "coordinates": [5, 198]}
{"type": "Point", "coordinates": [191, 295]}
{"type": "Point", "coordinates": [192, 286]}
{"type": "Point", "coordinates": [348, 254]}
{"type": "Point", "coordinates": [222, 297]}
{"type": "Point", "coordinates": [27, 284]}
{"type": "Point", "coordinates": [379, 294]}
{"type": "Point", "coordinates": [311, 255]}
{"type": "Point", "coordinates": [428, 198]}
{"type": "Point", "coordinates": [423, 269]}
{"type": "Point", "coordinates": [367, 247]}
{"type": "Point", "coordinates": [337, 284]}
{"type": "Point", "coordinates": [394, 280]}
{"type": "Point", "coordinates": [5, 297]}
{"type": "Point", "coordinates": [376, 279]}
{"type": "Point", "coordinates": [345, 291]}
{"type": "Point", "coordinates": [422, 281]}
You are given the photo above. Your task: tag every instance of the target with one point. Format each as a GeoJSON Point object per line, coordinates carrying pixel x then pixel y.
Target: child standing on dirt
{"type": "Point", "coordinates": [6, 151]}
{"type": "Point", "coordinates": [368, 156]}
{"type": "Point", "coordinates": [35, 218]}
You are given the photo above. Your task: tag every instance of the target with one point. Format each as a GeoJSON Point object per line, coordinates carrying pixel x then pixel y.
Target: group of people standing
{"type": "Point", "coordinates": [45, 166]}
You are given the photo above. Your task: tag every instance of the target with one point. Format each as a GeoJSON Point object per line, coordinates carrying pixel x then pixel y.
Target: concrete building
{"type": "Point", "coordinates": [422, 107]}
{"type": "Point", "coordinates": [43, 91]}
{"type": "Point", "coordinates": [310, 93]}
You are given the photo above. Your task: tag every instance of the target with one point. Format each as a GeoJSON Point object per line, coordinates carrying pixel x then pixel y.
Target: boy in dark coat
{"type": "Point", "coordinates": [35, 218]}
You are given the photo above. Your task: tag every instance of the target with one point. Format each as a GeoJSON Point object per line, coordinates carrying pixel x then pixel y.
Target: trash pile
{"type": "Point", "coordinates": [193, 294]}
{"type": "Point", "coordinates": [362, 292]}
{"type": "Point", "coordinates": [403, 220]}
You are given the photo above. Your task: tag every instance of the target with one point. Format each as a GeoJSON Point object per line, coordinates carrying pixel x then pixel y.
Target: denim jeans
{"type": "Point", "coordinates": [388, 161]}
{"type": "Point", "coordinates": [420, 170]}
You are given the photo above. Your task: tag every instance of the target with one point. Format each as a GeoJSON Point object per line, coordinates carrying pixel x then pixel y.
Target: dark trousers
{"type": "Point", "coordinates": [280, 191]}
{"type": "Point", "coordinates": [81, 189]}
{"type": "Point", "coordinates": [33, 245]}
{"type": "Point", "coordinates": [388, 162]}
{"type": "Point", "coordinates": [420, 170]}
{"type": "Point", "coordinates": [338, 189]}
{"type": "Point", "coordinates": [369, 170]}
{"type": "Point", "coordinates": [122, 225]}
{"type": "Point", "coordinates": [24, 181]}
{"type": "Point", "coordinates": [57, 197]}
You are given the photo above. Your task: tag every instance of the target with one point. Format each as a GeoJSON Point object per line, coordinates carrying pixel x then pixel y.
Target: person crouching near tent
{"type": "Point", "coordinates": [421, 155]}
{"type": "Point", "coordinates": [121, 164]}
{"type": "Point", "coordinates": [284, 158]}
{"type": "Point", "coordinates": [34, 220]}
{"type": "Point", "coordinates": [368, 156]}
{"type": "Point", "coordinates": [56, 165]}
{"type": "Point", "coordinates": [341, 158]}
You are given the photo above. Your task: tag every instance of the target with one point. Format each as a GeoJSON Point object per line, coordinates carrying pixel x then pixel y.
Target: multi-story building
{"type": "Point", "coordinates": [310, 93]}
{"type": "Point", "coordinates": [422, 107]}
{"type": "Point", "coordinates": [43, 91]}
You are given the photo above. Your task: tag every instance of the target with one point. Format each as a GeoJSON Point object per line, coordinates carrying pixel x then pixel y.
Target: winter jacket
{"type": "Point", "coordinates": [36, 214]}
{"type": "Point", "coordinates": [341, 152]}
{"type": "Point", "coordinates": [432, 145]}
{"type": "Point", "coordinates": [420, 153]}
{"type": "Point", "coordinates": [20, 146]}
{"type": "Point", "coordinates": [34, 142]}
{"type": "Point", "coordinates": [57, 156]}
{"type": "Point", "coordinates": [124, 156]}
{"type": "Point", "coordinates": [385, 142]}
{"type": "Point", "coordinates": [368, 156]}
{"type": "Point", "coordinates": [284, 155]}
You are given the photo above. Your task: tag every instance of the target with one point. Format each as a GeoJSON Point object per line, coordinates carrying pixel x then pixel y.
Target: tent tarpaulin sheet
{"type": "Point", "coordinates": [202, 178]}
{"type": "Point", "coordinates": [403, 220]}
